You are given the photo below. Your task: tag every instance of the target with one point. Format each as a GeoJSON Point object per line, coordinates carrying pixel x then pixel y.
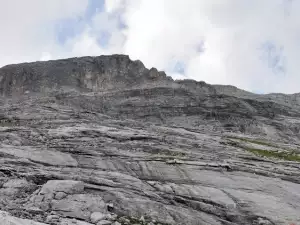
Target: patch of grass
{"type": "Point", "coordinates": [167, 154]}
{"type": "Point", "coordinates": [259, 142]}
{"type": "Point", "coordinates": [290, 156]}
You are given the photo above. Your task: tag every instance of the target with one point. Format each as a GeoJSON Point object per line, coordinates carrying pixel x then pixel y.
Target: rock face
{"type": "Point", "coordinates": [81, 74]}
{"type": "Point", "coordinates": [103, 140]}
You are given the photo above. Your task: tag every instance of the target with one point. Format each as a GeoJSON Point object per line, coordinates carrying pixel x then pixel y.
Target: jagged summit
{"type": "Point", "coordinates": [100, 73]}
{"type": "Point", "coordinates": [107, 72]}
{"type": "Point", "coordinates": [86, 74]}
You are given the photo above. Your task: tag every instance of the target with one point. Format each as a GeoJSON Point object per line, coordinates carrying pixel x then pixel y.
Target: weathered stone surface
{"type": "Point", "coordinates": [78, 206]}
{"type": "Point", "coordinates": [40, 156]}
{"type": "Point", "coordinates": [16, 183]}
{"type": "Point", "coordinates": [97, 216]}
{"type": "Point", "coordinates": [104, 222]}
{"type": "Point", "coordinates": [52, 219]}
{"type": "Point", "coordinates": [65, 186]}
{"type": "Point", "coordinates": [106, 135]}
{"type": "Point", "coordinates": [7, 219]}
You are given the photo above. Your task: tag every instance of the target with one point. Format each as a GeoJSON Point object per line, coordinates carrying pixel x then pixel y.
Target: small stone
{"type": "Point", "coordinates": [52, 218]}
{"type": "Point", "coordinates": [124, 220]}
{"type": "Point", "coordinates": [231, 205]}
{"type": "Point", "coordinates": [142, 219]}
{"type": "Point", "coordinates": [44, 206]}
{"type": "Point", "coordinates": [117, 223]}
{"type": "Point", "coordinates": [111, 216]}
{"type": "Point", "coordinates": [262, 221]}
{"type": "Point", "coordinates": [104, 222]}
{"type": "Point", "coordinates": [53, 213]}
{"type": "Point", "coordinates": [97, 216]}
{"type": "Point", "coordinates": [60, 195]}
{"type": "Point", "coordinates": [174, 161]}
{"type": "Point", "coordinates": [34, 210]}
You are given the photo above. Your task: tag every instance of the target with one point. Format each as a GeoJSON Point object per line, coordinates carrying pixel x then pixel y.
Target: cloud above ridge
{"type": "Point", "coordinates": [249, 44]}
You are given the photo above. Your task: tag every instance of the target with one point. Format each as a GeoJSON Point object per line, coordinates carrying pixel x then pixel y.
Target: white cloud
{"type": "Point", "coordinates": [27, 27]}
{"type": "Point", "coordinates": [233, 32]}
{"type": "Point", "coordinates": [46, 56]}
{"type": "Point", "coordinates": [218, 41]}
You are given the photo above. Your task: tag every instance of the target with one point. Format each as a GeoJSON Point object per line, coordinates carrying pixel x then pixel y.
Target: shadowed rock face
{"type": "Point", "coordinates": [103, 140]}
{"type": "Point", "coordinates": [83, 74]}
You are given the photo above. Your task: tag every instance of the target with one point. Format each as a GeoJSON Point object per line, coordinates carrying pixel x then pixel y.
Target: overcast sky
{"type": "Point", "coordinates": [252, 44]}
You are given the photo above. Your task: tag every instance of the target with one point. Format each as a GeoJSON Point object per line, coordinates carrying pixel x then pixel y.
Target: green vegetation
{"type": "Point", "coordinates": [287, 154]}
{"type": "Point", "coordinates": [167, 154]}
{"type": "Point", "coordinates": [290, 156]}
{"type": "Point", "coordinates": [259, 142]}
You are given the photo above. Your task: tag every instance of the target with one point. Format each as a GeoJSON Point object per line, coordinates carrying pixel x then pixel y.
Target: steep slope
{"type": "Point", "coordinates": [103, 140]}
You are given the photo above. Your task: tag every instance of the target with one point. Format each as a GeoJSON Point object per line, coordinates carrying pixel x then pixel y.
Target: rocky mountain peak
{"type": "Point", "coordinates": [85, 74]}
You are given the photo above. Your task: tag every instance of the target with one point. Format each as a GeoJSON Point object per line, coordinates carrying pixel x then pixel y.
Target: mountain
{"type": "Point", "coordinates": [104, 140]}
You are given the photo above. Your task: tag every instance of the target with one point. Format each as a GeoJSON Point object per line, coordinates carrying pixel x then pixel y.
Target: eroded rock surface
{"type": "Point", "coordinates": [103, 140]}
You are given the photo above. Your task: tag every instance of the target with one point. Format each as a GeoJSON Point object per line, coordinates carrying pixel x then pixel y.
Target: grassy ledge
{"type": "Point", "coordinates": [289, 156]}
{"type": "Point", "coordinates": [258, 142]}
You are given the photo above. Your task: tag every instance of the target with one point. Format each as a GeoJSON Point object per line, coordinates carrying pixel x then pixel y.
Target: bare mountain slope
{"type": "Point", "coordinates": [104, 140]}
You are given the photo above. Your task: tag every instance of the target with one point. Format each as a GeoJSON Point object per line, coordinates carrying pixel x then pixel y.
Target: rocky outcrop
{"type": "Point", "coordinates": [78, 74]}
{"type": "Point", "coordinates": [104, 140]}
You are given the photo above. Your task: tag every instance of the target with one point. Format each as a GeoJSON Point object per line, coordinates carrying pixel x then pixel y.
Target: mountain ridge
{"type": "Point", "coordinates": [126, 57]}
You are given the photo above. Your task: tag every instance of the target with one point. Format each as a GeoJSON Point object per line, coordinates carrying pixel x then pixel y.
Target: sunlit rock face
{"type": "Point", "coordinates": [104, 140]}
